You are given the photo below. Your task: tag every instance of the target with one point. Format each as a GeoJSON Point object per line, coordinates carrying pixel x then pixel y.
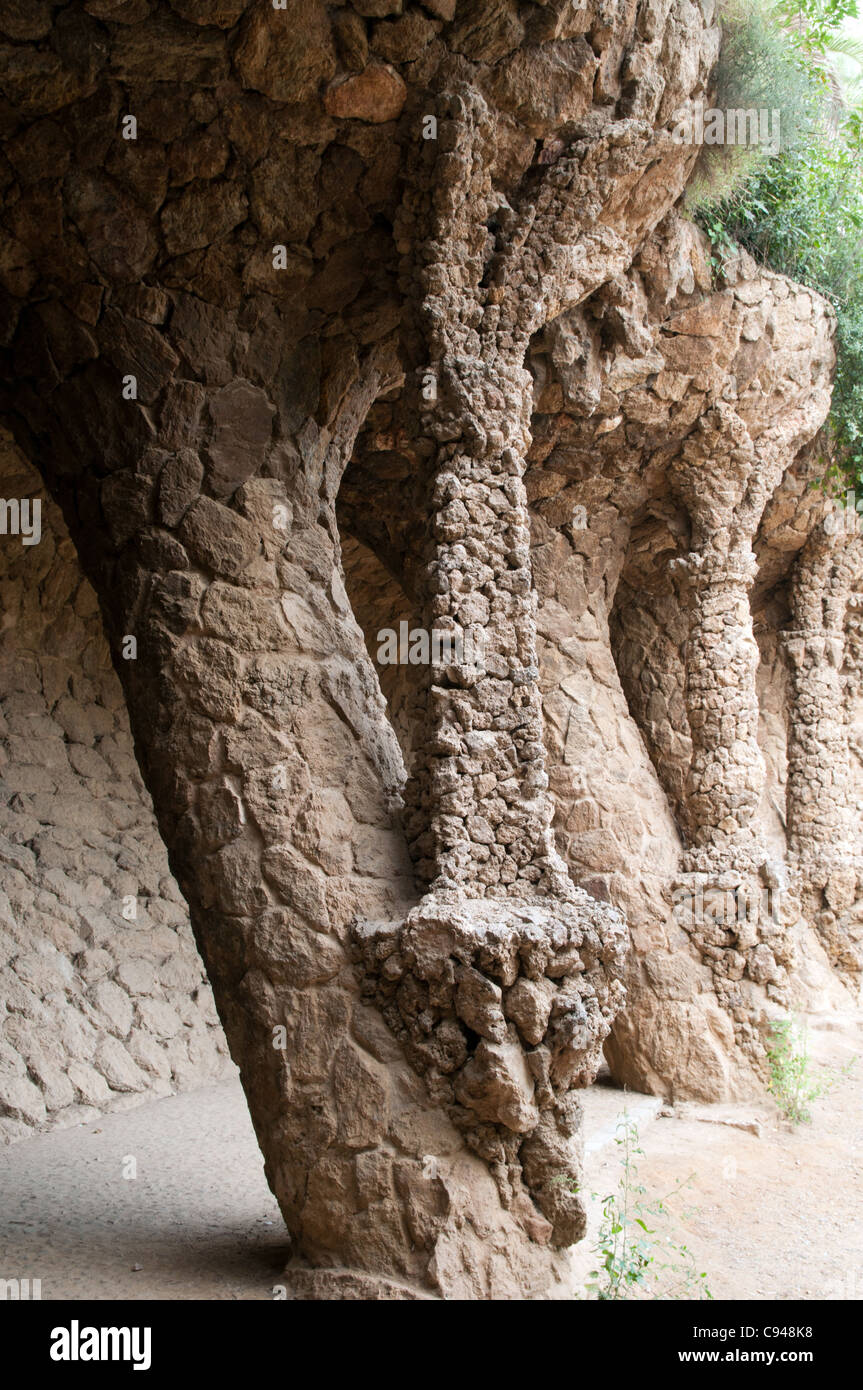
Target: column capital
{"type": "Point", "coordinates": [709, 566]}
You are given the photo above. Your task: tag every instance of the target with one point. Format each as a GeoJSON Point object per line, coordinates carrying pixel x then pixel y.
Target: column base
{"type": "Point", "coordinates": [739, 920]}
{"type": "Point", "coordinates": [503, 1007]}
{"type": "Point", "coordinates": [347, 1285]}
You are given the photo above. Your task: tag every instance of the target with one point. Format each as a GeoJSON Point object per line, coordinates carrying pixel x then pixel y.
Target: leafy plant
{"type": "Point", "coordinates": [801, 213]}
{"type": "Point", "coordinates": [636, 1260]}
{"type": "Point", "coordinates": [759, 68]}
{"type": "Point", "coordinates": [816, 22]}
{"type": "Point", "coordinates": [791, 1079]}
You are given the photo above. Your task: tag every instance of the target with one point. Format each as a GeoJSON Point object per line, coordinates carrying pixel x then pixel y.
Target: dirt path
{"type": "Point", "coordinates": [197, 1220]}
{"type": "Point", "coordinates": [775, 1215]}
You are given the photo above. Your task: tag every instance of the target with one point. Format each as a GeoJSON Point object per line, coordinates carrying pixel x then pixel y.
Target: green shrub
{"type": "Point", "coordinates": [801, 212]}
{"type": "Point", "coordinates": [791, 1080]}
{"type": "Point", "coordinates": [758, 69]}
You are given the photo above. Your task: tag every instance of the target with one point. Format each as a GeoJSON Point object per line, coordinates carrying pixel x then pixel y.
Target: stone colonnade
{"type": "Point", "coordinates": [725, 478]}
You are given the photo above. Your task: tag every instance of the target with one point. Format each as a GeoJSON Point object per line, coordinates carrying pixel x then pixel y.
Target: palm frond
{"type": "Point", "coordinates": [846, 46]}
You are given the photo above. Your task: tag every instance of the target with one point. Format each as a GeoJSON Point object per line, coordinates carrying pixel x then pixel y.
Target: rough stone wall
{"type": "Point", "coordinates": [648, 634]}
{"type": "Point", "coordinates": [381, 605]}
{"type": "Point", "coordinates": [99, 1009]}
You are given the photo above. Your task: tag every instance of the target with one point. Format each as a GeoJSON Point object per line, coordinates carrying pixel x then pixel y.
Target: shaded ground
{"type": "Point", "coordinates": [773, 1215]}
{"type": "Point", "coordinates": [199, 1218]}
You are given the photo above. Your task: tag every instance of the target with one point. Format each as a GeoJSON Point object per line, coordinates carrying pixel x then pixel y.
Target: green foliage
{"type": "Point", "coordinates": [636, 1260]}
{"type": "Point", "coordinates": [815, 22]}
{"type": "Point", "coordinates": [801, 213]}
{"type": "Point", "coordinates": [791, 1080]}
{"type": "Point", "coordinates": [758, 69]}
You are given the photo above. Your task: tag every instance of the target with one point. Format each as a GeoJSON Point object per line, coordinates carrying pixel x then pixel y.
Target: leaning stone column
{"type": "Point", "coordinates": [823, 839]}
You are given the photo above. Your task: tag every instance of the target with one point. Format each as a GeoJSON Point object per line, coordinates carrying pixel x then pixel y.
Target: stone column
{"type": "Point", "coordinates": [823, 838]}
{"type": "Point", "coordinates": [726, 771]}
{"type": "Point", "coordinates": [488, 809]}
{"type": "Point", "coordinates": [503, 982]}
{"type": "Point", "coordinates": [730, 898]}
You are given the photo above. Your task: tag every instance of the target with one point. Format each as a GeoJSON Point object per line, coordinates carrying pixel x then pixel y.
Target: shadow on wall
{"type": "Point", "coordinates": [380, 604]}
{"type": "Point", "coordinates": [105, 1002]}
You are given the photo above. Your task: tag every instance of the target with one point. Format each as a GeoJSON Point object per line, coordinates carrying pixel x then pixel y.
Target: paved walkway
{"type": "Point", "coordinates": [198, 1220]}
{"type": "Point", "coordinates": [770, 1213]}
